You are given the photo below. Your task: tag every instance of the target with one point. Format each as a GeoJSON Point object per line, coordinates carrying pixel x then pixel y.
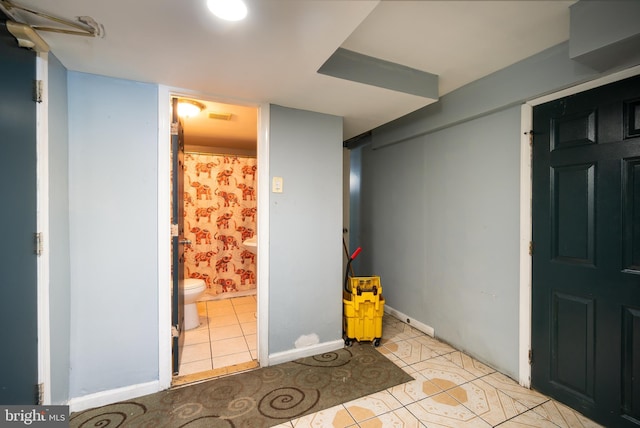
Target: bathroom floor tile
{"type": "Point", "coordinates": [195, 367]}
{"type": "Point", "coordinates": [249, 327]}
{"type": "Point", "coordinates": [252, 341]}
{"type": "Point", "coordinates": [250, 307]}
{"type": "Point", "coordinates": [223, 347]}
{"type": "Point", "coordinates": [220, 324]}
{"type": "Point", "coordinates": [246, 317]}
{"type": "Point", "coordinates": [224, 320]}
{"type": "Point", "coordinates": [197, 352]}
{"type": "Point", "coordinates": [229, 360]}
{"type": "Point", "coordinates": [245, 300]}
{"type": "Point", "coordinates": [199, 335]}
{"type": "Point", "coordinates": [225, 332]}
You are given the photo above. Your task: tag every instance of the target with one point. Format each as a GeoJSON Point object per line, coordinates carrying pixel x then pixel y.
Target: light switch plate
{"type": "Point", "coordinates": [277, 185]}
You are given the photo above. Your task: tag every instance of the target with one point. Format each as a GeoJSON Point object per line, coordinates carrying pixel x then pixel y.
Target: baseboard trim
{"type": "Point", "coordinates": [426, 329]}
{"type": "Point", "coordinates": [294, 354]}
{"type": "Point", "coordinates": [112, 396]}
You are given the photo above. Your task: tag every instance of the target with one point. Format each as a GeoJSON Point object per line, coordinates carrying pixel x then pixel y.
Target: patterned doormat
{"type": "Point", "coordinates": [260, 398]}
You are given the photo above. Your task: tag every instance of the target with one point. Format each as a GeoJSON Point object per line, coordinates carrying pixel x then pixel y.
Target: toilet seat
{"type": "Point", "coordinates": [191, 283]}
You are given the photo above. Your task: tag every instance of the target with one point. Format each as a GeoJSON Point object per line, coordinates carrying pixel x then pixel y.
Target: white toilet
{"type": "Point", "coordinates": [192, 289]}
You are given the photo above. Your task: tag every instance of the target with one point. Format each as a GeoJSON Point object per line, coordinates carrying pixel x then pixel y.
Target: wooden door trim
{"type": "Point", "coordinates": [526, 215]}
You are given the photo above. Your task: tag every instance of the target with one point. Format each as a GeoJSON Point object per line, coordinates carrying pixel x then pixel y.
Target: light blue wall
{"type": "Point", "coordinates": [440, 226]}
{"type": "Point", "coordinates": [113, 163]}
{"type": "Point", "coordinates": [59, 264]}
{"type": "Point", "coordinates": [439, 208]}
{"type": "Point", "coordinates": [305, 228]}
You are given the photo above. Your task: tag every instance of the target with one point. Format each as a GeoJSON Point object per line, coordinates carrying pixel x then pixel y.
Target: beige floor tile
{"type": "Point", "coordinates": [229, 360]}
{"type": "Point", "coordinates": [508, 386]}
{"type": "Point", "coordinates": [245, 317]}
{"type": "Point", "coordinates": [244, 300]}
{"type": "Point", "coordinates": [284, 425]}
{"type": "Point", "coordinates": [252, 341]}
{"type": "Point", "coordinates": [249, 307]}
{"type": "Point", "coordinates": [443, 372]}
{"type": "Point", "coordinates": [468, 363]}
{"type": "Point", "coordinates": [436, 345]}
{"type": "Point", "coordinates": [249, 327]}
{"type": "Point", "coordinates": [195, 367]}
{"type": "Point", "coordinates": [225, 332]}
{"type": "Point", "coordinates": [223, 347]}
{"type": "Point", "coordinates": [410, 351]}
{"type": "Point", "coordinates": [492, 405]}
{"type": "Point", "coordinates": [529, 419]}
{"type": "Point", "coordinates": [223, 320]}
{"type": "Point", "coordinates": [334, 417]}
{"type": "Point", "coordinates": [398, 331]}
{"type": "Point", "coordinates": [400, 418]}
{"type": "Point", "coordinates": [220, 311]}
{"type": "Point", "coordinates": [415, 390]}
{"type": "Point", "coordinates": [563, 416]}
{"type": "Point", "coordinates": [197, 352]}
{"type": "Point", "coordinates": [199, 335]}
{"type": "Point", "coordinates": [372, 405]}
{"type": "Point", "coordinates": [442, 410]}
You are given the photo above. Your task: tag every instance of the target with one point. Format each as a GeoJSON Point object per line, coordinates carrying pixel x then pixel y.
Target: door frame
{"type": "Point", "coordinates": [42, 224]}
{"type": "Point", "coordinates": [164, 226]}
{"type": "Point", "coordinates": [526, 217]}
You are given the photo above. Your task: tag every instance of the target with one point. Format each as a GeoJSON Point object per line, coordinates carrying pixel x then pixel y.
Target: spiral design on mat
{"type": "Point", "coordinates": [327, 359]}
{"type": "Point", "coordinates": [271, 374]}
{"type": "Point", "coordinates": [176, 396]}
{"type": "Point", "coordinates": [239, 407]}
{"type": "Point", "coordinates": [112, 417]}
{"type": "Point", "coordinates": [370, 374]}
{"type": "Point", "coordinates": [365, 359]}
{"type": "Point", "coordinates": [209, 422]}
{"type": "Point", "coordinates": [188, 410]}
{"type": "Point", "coordinates": [312, 378]}
{"type": "Point", "coordinates": [288, 402]}
{"type": "Point", "coordinates": [221, 390]}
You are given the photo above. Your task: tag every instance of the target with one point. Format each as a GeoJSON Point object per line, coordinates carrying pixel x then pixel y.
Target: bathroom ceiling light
{"type": "Point", "coordinates": [229, 10]}
{"type": "Point", "coordinates": [189, 108]}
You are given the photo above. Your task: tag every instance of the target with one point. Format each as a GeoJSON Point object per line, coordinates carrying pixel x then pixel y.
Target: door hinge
{"type": "Point", "coordinates": [38, 244]}
{"type": "Point", "coordinates": [174, 128]}
{"type": "Point", "coordinates": [39, 390]}
{"type": "Point", "coordinates": [530, 356]}
{"type": "Point", "coordinates": [530, 134]}
{"type": "Point", "coordinates": [175, 331]}
{"type": "Point", "coordinates": [531, 248]}
{"type": "Point", "coordinates": [174, 230]}
{"type": "Point", "coordinates": [37, 91]}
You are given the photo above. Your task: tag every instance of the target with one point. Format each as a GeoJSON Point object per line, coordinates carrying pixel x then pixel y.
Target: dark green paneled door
{"type": "Point", "coordinates": [18, 268]}
{"type": "Point", "coordinates": [586, 263]}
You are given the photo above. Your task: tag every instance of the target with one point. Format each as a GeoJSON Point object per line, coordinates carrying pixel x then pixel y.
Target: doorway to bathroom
{"type": "Point", "coordinates": [220, 251]}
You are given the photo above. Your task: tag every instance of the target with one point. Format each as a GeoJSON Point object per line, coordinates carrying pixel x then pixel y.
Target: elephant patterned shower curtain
{"type": "Point", "coordinates": [220, 213]}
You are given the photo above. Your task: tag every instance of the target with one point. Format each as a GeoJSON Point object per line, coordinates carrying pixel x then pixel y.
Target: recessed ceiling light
{"type": "Point", "coordinates": [229, 10]}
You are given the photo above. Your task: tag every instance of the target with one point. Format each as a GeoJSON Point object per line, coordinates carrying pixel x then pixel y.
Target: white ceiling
{"type": "Point", "coordinates": [273, 56]}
